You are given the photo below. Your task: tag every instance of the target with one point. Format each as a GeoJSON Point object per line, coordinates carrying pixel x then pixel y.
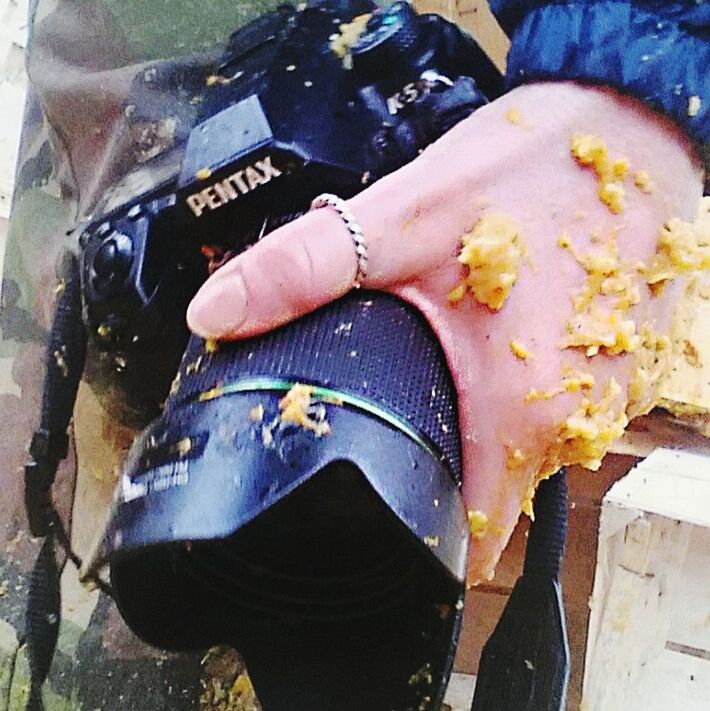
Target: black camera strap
{"type": "Point", "coordinates": [64, 363]}
{"type": "Point", "coordinates": [524, 665]}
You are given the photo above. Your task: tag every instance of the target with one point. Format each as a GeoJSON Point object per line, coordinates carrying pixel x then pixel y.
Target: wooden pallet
{"type": "Point", "coordinates": [648, 645]}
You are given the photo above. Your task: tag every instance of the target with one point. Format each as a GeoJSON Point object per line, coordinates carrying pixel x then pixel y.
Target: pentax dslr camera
{"type": "Point", "coordinates": [290, 111]}
{"type": "Point", "coordinates": [331, 552]}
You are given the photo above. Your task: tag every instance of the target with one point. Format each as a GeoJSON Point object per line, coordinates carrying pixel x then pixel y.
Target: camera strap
{"type": "Point", "coordinates": [64, 362]}
{"type": "Point", "coordinates": [524, 665]}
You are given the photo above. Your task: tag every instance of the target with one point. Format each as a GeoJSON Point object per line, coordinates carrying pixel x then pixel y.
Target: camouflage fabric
{"type": "Point", "coordinates": [84, 59]}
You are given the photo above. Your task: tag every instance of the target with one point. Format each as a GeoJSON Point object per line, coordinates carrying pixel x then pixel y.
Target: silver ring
{"type": "Point", "coordinates": [353, 226]}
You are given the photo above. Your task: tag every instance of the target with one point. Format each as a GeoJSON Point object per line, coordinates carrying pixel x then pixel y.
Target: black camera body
{"type": "Point", "coordinates": [288, 113]}
{"type": "Point", "coordinates": [332, 556]}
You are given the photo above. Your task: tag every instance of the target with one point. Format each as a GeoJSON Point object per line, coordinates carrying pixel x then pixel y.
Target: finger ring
{"type": "Point", "coordinates": [353, 226]}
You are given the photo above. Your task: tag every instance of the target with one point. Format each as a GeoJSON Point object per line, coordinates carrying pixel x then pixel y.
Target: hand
{"type": "Point", "coordinates": [510, 158]}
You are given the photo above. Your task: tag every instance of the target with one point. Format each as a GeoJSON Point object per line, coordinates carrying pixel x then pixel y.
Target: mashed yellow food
{"type": "Point", "coordinates": [519, 350]}
{"type": "Point", "coordinates": [642, 180]}
{"type": "Point", "coordinates": [610, 290]}
{"type": "Point", "coordinates": [297, 406]}
{"type": "Point", "coordinates": [572, 383]}
{"type": "Point", "coordinates": [492, 251]}
{"type": "Point", "coordinates": [683, 247]}
{"type": "Point", "coordinates": [477, 524]}
{"type": "Point", "coordinates": [585, 436]}
{"type": "Point", "coordinates": [591, 151]}
{"type": "Point", "coordinates": [348, 35]}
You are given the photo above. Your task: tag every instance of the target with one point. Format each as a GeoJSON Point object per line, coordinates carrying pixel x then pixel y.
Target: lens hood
{"type": "Point", "coordinates": [336, 544]}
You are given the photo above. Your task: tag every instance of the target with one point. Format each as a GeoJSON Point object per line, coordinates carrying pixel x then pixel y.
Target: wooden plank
{"type": "Point", "coordinates": [635, 612]}
{"type": "Point", "coordinates": [13, 30]}
{"type": "Point", "coordinates": [686, 388]}
{"type": "Point", "coordinates": [5, 375]}
{"type": "Point", "coordinates": [649, 633]}
{"type": "Point", "coordinates": [8, 653]}
{"type": "Point", "coordinates": [11, 107]}
{"type": "Point", "coordinates": [676, 681]}
{"type": "Point", "coordinates": [690, 623]}
{"type": "Point", "coordinates": [670, 483]}
{"type": "Point", "coordinates": [482, 612]}
{"type": "Point", "coordinates": [475, 17]}
{"type": "Point", "coordinates": [459, 695]}
{"type": "Point", "coordinates": [659, 429]}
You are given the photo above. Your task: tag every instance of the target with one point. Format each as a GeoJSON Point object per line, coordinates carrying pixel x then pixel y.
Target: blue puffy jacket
{"type": "Point", "coordinates": [655, 50]}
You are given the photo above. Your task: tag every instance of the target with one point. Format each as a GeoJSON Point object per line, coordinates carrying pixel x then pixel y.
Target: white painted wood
{"type": "Point", "coordinates": [11, 107]}
{"type": "Point", "coordinates": [676, 682]}
{"type": "Point", "coordinates": [636, 612]}
{"type": "Point", "coordinates": [459, 695]}
{"type": "Point", "coordinates": [648, 644]}
{"type": "Point", "coordinates": [690, 625]}
{"type": "Point", "coordinates": [4, 225]}
{"type": "Point", "coordinates": [671, 483]}
{"type": "Point", "coordinates": [13, 21]}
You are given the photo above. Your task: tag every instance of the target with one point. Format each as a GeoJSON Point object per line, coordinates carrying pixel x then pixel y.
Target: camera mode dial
{"type": "Point", "coordinates": [390, 36]}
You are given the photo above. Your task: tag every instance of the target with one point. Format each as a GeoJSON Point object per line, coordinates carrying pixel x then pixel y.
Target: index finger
{"type": "Point", "coordinates": [292, 271]}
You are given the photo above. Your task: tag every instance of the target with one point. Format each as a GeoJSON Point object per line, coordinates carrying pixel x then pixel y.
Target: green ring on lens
{"type": "Point", "coordinates": [335, 397]}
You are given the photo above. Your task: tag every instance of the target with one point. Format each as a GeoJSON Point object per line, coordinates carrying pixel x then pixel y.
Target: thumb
{"type": "Point", "coordinates": [292, 271]}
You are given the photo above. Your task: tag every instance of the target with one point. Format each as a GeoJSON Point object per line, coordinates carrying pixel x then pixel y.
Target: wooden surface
{"type": "Point", "coordinates": [485, 603]}
{"type": "Point", "coordinates": [12, 92]}
{"type": "Point", "coordinates": [686, 388]}
{"type": "Point", "coordinates": [649, 632]}
{"type": "Point", "coordinates": [475, 17]}
{"type": "Point", "coordinates": [12, 97]}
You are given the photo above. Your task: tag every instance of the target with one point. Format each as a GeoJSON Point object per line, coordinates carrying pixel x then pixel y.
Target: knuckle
{"type": "Point", "coordinates": [288, 267]}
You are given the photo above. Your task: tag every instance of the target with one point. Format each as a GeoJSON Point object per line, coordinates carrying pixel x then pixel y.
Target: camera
{"type": "Point", "coordinates": [282, 119]}
{"type": "Point", "coordinates": [329, 549]}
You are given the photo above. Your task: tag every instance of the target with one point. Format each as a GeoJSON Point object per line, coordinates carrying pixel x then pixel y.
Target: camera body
{"type": "Point", "coordinates": [302, 102]}
{"type": "Point", "coordinates": [327, 556]}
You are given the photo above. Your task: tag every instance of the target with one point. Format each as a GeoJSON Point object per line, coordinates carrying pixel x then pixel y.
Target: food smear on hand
{"type": "Point", "coordinates": [682, 247]}
{"type": "Point", "coordinates": [598, 329]}
{"type": "Point", "coordinates": [604, 322]}
{"type": "Point", "coordinates": [514, 116]}
{"type": "Point", "coordinates": [516, 458]}
{"type": "Point", "coordinates": [573, 383]}
{"type": "Point", "coordinates": [492, 251]}
{"type": "Point", "coordinates": [526, 503]}
{"type": "Point", "coordinates": [585, 436]}
{"type": "Point", "coordinates": [652, 362]}
{"type": "Point", "coordinates": [477, 524]}
{"type": "Point", "coordinates": [519, 350]}
{"type": "Point", "coordinates": [642, 180]}
{"type": "Point", "coordinates": [611, 288]}
{"type": "Point", "coordinates": [591, 151]}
